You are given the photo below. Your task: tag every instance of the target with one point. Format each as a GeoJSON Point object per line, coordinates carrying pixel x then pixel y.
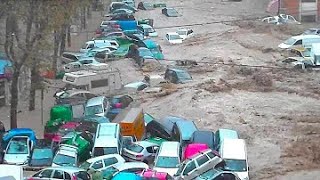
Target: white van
{"type": "Point", "coordinates": [300, 41]}
{"type": "Point", "coordinates": [89, 45]}
{"type": "Point", "coordinates": [98, 80]}
{"type": "Point", "coordinates": [234, 153]}
{"type": "Point", "coordinates": [107, 140]}
{"type": "Point", "coordinates": [98, 106]}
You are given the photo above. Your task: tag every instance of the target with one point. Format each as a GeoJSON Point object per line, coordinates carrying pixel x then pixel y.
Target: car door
{"type": "Point", "coordinates": [57, 175]}
{"type": "Point", "coordinates": [203, 165]}
{"type": "Point", "coordinates": [43, 175]}
{"type": "Point", "coordinates": [152, 151]}
{"type": "Point", "coordinates": [188, 170]}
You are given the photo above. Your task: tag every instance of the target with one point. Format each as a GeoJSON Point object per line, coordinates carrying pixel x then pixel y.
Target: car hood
{"type": "Point", "coordinates": [40, 162]}
{"type": "Point", "coordinates": [170, 171]}
{"type": "Point", "coordinates": [284, 46]}
{"type": "Point", "coordinates": [153, 34]}
{"type": "Point", "coordinates": [16, 158]}
{"type": "Point", "coordinates": [175, 41]}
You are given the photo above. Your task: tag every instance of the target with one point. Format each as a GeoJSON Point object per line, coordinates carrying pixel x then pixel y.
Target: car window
{"type": "Point", "coordinates": [82, 175]}
{"type": "Point", "coordinates": [202, 159]}
{"type": "Point", "coordinates": [149, 149]}
{"type": "Point", "coordinates": [45, 174]}
{"type": "Point", "coordinates": [211, 155]}
{"type": "Point", "coordinates": [58, 174]}
{"type": "Point", "coordinates": [167, 37]}
{"type": "Point", "coordinates": [67, 176]}
{"type": "Point", "coordinates": [90, 46]}
{"type": "Point", "coordinates": [110, 161]}
{"type": "Point", "coordinates": [298, 42]}
{"type": "Point", "coordinates": [189, 167]}
{"type": "Point", "coordinates": [97, 165]}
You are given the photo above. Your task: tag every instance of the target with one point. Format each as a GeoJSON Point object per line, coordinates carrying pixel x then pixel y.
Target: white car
{"type": "Point", "coordinates": [140, 151]}
{"type": "Point", "coordinates": [168, 158]}
{"type": "Point", "coordinates": [185, 33]}
{"type": "Point", "coordinates": [18, 150]}
{"type": "Point", "coordinates": [60, 173]}
{"type": "Point", "coordinates": [103, 162]}
{"type": "Point", "coordinates": [174, 38]}
{"type": "Point", "coordinates": [66, 155]}
{"type": "Point", "coordinates": [132, 167]}
{"type": "Point", "coordinates": [280, 19]}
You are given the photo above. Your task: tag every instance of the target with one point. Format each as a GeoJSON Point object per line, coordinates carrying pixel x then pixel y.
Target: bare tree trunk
{"type": "Point", "coordinates": [89, 13]}
{"type": "Point", "coordinates": [55, 52]}
{"type": "Point", "coordinates": [33, 86]}
{"type": "Point", "coordinates": [69, 35]}
{"type": "Point", "coordinates": [83, 18]}
{"type": "Point", "coordinates": [62, 39]}
{"type": "Point", "coordinates": [14, 98]}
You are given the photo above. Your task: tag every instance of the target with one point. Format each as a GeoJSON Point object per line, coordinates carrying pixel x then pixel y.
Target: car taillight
{"type": "Point", "coordinates": [74, 177]}
{"type": "Point", "coordinates": [139, 156]}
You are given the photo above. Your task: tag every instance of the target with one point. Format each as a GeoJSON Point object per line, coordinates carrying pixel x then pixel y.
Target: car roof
{"type": "Point", "coordinates": [172, 33]}
{"type": "Point", "coordinates": [107, 129]}
{"type": "Point", "coordinates": [228, 133]}
{"type": "Point", "coordinates": [145, 143]}
{"type": "Point", "coordinates": [145, 26]}
{"type": "Point", "coordinates": [128, 165]}
{"type": "Point", "coordinates": [106, 141]}
{"type": "Point", "coordinates": [233, 149]}
{"type": "Point", "coordinates": [68, 169]}
{"type": "Point", "coordinates": [76, 91]}
{"type": "Point", "coordinates": [95, 101]}
{"type": "Point", "coordinates": [187, 127]}
{"type": "Point", "coordinates": [91, 160]}
{"type": "Point", "coordinates": [169, 149]}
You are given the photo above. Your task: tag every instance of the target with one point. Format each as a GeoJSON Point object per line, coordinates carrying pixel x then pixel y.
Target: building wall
{"type": "Point", "coordinates": [303, 11]}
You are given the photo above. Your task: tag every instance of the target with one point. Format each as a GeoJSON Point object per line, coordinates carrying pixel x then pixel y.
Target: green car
{"type": "Point", "coordinates": [124, 45]}
{"type": "Point", "coordinates": [83, 144]}
{"type": "Point", "coordinates": [156, 140]}
{"type": "Point", "coordinates": [58, 115]}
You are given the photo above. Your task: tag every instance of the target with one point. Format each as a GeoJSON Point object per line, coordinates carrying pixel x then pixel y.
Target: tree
{"type": "Point", "coordinates": [22, 35]}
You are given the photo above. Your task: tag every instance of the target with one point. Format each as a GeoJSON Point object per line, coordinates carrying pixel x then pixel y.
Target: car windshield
{"type": "Point", "coordinates": [42, 154]}
{"type": "Point", "coordinates": [184, 76]}
{"type": "Point", "coordinates": [172, 12]}
{"type": "Point", "coordinates": [135, 148]}
{"type": "Point", "coordinates": [167, 162]}
{"type": "Point", "coordinates": [92, 110]}
{"type": "Point", "coordinates": [174, 37]}
{"type": "Point", "coordinates": [126, 141]}
{"type": "Point", "coordinates": [149, 30]}
{"type": "Point", "coordinates": [63, 160]}
{"type": "Point", "coordinates": [18, 146]}
{"type": "Point", "coordinates": [64, 131]}
{"type": "Point", "coordinates": [100, 151]}
{"type": "Point", "coordinates": [182, 32]}
{"type": "Point", "coordinates": [235, 165]}
{"type": "Point", "coordinates": [208, 174]}
{"type": "Point", "coordinates": [290, 41]}
{"type": "Point", "coordinates": [85, 165]}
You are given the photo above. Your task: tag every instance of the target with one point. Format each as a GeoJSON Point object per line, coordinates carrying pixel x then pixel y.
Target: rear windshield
{"type": "Point", "coordinates": [135, 148]}
{"type": "Point", "coordinates": [100, 151]}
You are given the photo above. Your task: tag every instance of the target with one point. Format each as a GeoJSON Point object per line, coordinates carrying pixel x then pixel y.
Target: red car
{"type": "Point", "coordinates": [192, 149]}
{"type": "Point", "coordinates": [154, 175]}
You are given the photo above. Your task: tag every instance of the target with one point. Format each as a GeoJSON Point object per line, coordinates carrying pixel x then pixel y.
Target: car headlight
{"type": "Point", "coordinates": [246, 178]}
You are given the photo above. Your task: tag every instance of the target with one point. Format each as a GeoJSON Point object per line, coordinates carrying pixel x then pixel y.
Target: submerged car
{"type": "Point", "coordinates": [170, 12]}
{"type": "Point", "coordinates": [175, 75]}
{"type": "Point", "coordinates": [73, 96]}
{"type": "Point", "coordinates": [140, 151]}
{"type": "Point", "coordinates": [156, 129]}
{"type": "Point", "coordinates": [174, 38]}
{"type": "Point", "coordinates": [147, 30]}
{"type": "Point", "coordinates": [145, 5]}
{"type": "Point", "coordinates": [185, 33]}
{"type": "Point", "coordinates": [312, 31]}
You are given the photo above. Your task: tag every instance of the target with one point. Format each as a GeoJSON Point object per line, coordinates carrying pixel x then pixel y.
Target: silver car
{"type": "Point", "coordinates": [140, 151]}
